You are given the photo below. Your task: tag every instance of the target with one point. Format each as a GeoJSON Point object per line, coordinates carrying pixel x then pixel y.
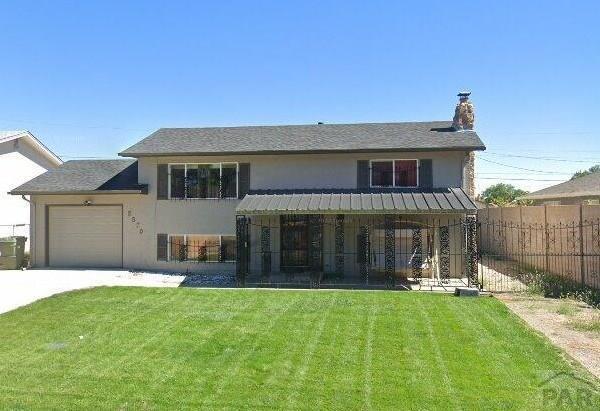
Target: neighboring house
{"type": "Point", "coordinates": [581, 190]}
{"type": "Point", "coordinates": [271, 198]}
{"type": "Point", "coordinates": [22, 157]}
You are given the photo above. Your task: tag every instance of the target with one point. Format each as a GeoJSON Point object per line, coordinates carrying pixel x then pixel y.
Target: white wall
{"type": "Point", "coordinates": [15, 169]}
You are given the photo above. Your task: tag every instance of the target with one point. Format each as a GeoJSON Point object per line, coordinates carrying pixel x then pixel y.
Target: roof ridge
{"type": "Point", "coordinates": [308, 124]}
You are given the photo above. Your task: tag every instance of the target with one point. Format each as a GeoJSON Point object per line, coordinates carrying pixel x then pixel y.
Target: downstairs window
{"type": "Point", "coordinates": [202, 248]}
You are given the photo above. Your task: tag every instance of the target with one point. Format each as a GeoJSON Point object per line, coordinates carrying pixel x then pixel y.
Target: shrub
{"type": "Point", "coordinates": [554, 286]}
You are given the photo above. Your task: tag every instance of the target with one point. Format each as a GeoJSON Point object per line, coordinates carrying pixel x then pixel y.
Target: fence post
{"type": "Point", "coordinates": [546, 239]}
{"type": "Point", "coordinates": [339, 246]}
{"type": "Point", "coordinates": [265, 248]}
{"type": "Point", "coordinates": [390, 251]}
{"type": "Point", "coordinates": [582, 258]}
{"type": "Point", "coordinates": [521, 239]}
{"type": "Point", "coordinates": [242, 257]}
{"type": "Point", "coordinates": [315, 248]}
{"type": "Point", "coordinates": [472, 262]}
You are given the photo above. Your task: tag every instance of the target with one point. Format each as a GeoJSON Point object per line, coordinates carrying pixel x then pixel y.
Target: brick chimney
{"type": "Point", "coordinates": [464, 114]}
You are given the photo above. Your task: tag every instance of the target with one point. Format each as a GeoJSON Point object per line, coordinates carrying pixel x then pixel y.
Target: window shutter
{"type": "Point", "coordinates": [161, 247]}
{"type": "Point", "coordinates": [426, 173]}
{"type": "Point", "coordinates": [243, 180]}
{"type": "Point", "coordinates": [362, 178]}
{"type": "Point", "coordinates": [162, 182]}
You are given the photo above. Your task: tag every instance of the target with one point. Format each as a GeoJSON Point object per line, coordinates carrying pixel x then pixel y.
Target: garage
{"type": "Point", "coordinates": [85, 236]}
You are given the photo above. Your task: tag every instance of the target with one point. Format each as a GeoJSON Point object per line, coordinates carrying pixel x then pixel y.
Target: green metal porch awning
{"type": "Point", "coordinates": [432, 201]}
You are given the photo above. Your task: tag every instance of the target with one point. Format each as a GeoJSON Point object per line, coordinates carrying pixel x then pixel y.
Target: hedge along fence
{"type": "Point", "coordinates": [563, 241]}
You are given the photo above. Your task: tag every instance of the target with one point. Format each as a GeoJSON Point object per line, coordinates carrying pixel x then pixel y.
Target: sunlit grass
{"type": "Point", "coordinates": [140, 348]}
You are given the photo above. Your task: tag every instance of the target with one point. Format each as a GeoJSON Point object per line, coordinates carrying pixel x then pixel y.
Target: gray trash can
{"type": "Point", "coordinates": [12, 252]}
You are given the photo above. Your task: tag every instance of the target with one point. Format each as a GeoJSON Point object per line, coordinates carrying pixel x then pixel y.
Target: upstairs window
{"type": "Point", "coordinates": [394, 173]}
{"type": "Point", "coordinates": [215, 180]}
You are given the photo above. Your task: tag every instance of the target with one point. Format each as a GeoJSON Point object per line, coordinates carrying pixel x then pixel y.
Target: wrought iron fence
{"type": "Point", "coordinates": [356, 250]}
{"type": "Point", "coordinates": [182, 249]}
{"type": "Point", "coordinates": [514, 256]}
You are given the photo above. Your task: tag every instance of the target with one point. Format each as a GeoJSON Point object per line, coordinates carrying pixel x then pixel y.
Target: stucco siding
{"type": "Point", "coordinates": [144, 216]}
{"type": "Point", "coordinates": [312, 170]}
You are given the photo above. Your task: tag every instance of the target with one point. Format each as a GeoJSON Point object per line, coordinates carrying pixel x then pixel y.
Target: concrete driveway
{"type": "Point", "coordinates": [18, 288]}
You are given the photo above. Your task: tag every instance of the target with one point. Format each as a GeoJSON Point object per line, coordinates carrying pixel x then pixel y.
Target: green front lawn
{"type": "Point", "coordinates": [173, 348]}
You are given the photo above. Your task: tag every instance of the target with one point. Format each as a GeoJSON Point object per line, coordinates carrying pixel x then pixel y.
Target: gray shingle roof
{"type": "Point", "coordinates": [451, 200]}
{"type": "Point", "coordinates": [85, 176]}
{"type": "Point", "coordinates": [368, 137]}
{"type": "Point", "coordinates": [580, 187]}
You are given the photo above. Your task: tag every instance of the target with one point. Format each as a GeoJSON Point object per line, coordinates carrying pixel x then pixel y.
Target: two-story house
{"type": "Point", "coordinates": [344, 201]}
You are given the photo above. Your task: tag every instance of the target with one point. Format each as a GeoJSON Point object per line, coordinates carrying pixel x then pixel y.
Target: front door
{"type": "Point", "coordinates": [294, 243]}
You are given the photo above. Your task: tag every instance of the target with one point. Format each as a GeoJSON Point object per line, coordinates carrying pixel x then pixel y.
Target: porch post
{"type": "Point", "coordinates": [444, 252]}
{"type": "Point", "coordinates": [472, 254]}
{"type": "Point", "coordinates": [390, 251]}
{"type": "Point", "coordinates": [417, 253]}
{"type": "Point", "coordinates": [242, 255]}
{"type": "Point", "coordinates": [339, 245]}
{"type": "Point", "coordinates": [265, 248]}
{"type": "Point", "coordinates": [315, 247]}
{"type": "Point", "coordinates": [364, 254]}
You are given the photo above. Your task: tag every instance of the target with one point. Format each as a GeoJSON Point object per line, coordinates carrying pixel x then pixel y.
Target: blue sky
{"type": "Point", "coordinates": [91, 78]}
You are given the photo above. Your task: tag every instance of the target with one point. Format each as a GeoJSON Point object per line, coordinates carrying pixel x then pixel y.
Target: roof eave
{"type": "Point", "coordinates": [142, 191]}
{"type": "Point", "coordinates": [561, 195]}
{"type": "Point", "coordinates": [361, 212]}
{"type": "Point", "coordinates": [272, 152]}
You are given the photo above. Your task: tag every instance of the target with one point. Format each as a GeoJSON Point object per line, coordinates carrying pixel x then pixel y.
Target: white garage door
{"type": "Point", "coordinates": [81, 236]}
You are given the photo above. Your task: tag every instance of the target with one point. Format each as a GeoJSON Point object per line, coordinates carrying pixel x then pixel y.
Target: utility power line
{"type": "Point", "coordinates": [516, 179]}
{"type": "Point", "coordinates": [518, 168]}
{"type": "Point", "coordinates": [590, 160]}
{"type": "Point", "coordinates": [544, 151]}
{"type": "Point", "coordinates": [519, 173]}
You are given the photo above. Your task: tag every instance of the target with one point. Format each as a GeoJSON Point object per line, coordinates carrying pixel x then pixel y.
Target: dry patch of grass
{"type": "Point", "coordinates": [589, 325]}
{"type": "Point", "coordinates": [570, 324]}
{"type": "Point", "coordinates": [568, 308]}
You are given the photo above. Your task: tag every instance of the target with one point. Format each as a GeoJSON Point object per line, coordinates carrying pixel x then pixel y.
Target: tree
{"type": "Point", "coordinates": [581, 173]}
{"type": "Point", "coordinates": [502, 194]}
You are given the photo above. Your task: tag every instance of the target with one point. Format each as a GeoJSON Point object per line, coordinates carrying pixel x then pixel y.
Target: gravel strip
{"type": "Point", "coordinates": [555, 318]}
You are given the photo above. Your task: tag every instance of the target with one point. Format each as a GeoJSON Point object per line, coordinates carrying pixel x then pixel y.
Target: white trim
{"type": "Point", "coordinates": [393, 160]}
{"type": "Point", "coordinates": [41, 148]}
{"type": "Point", "coordinates": [221, 163]}
{"type": "Point", "coordinates": [185, 236]}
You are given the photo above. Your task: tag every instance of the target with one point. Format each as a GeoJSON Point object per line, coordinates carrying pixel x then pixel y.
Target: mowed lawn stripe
{"type": "Point", "coordinates": [264, 327]}
{"type": "Point", "coordinates": [312, 342]}
{"type": "Point", "coordinates": [340, 377]}
{"type": "Point", "coordinates": [368, 354]}
{"type": "Point", "coordinates": [217, 355]}
{"type": "Point", "coordinates": [265, 349]}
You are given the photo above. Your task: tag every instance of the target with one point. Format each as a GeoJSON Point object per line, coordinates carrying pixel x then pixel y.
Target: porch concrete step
{"type": "Point", "coordinates": [466, 292]}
